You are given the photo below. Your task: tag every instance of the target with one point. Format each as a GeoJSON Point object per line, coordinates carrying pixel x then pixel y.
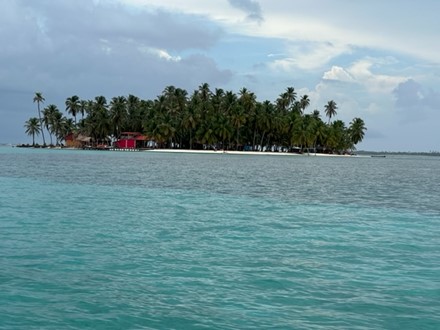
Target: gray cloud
{"type": "Point", "coordinates": [67, 39]}
{"type": "Point", "coordinates": [88, 48]}
{"type": "Point", "coordinates": [81, 20]}
{"type": "Point", "coordinates": [414, 102]}
{"type": "Point", "coordinates": [408, 94]}
{"type": "Point", "coordinates": [251, 7]}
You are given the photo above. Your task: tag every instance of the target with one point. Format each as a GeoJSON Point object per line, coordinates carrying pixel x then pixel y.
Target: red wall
{"type": "Point", "coordinates": [126, 143]}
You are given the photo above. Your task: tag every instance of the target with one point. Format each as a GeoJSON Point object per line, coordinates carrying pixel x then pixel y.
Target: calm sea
{"type": "Point", "coordinates": [107, 240]}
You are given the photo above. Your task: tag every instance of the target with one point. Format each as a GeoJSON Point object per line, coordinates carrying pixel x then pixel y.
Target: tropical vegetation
{"type": "Point", "coordinates": [206, 119]}
{"type": "Point", "coordinates": [38, 98]}
{"type": "Point", "coordinates": [32, 128]}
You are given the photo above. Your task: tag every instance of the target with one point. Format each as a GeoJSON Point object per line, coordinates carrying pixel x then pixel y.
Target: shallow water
{"type": "Point", "coordinates": [108, 240]}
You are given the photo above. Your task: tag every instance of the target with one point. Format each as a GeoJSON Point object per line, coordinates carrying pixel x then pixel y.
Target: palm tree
{"type": "Point", "coordinates": [238, 119]}
{"type": "Point", "coordinates": [82, 107]}
{"type": "Point", "coordinates": [337, 138]}
{"type": "Point", "coordinates": [290, 95]}
{"type": "Point", "coordinates": [357, 130]}
{"type": "Point", "coordinates": [57, 125]}
{"type": "Point", "coordinates": [286, 99]}
{"type": "Point", "coordinates": [67, 126]}
{"type": "Point", "coordinates": [101, 118]}
{"type": "Point", "coordinates": [214, 118]}
{"type": "Point", "coordinates": [304, 102]}
{"type": "Point", "coordinates": [118, 114]}
{"type": "Point", "coordinates": [207, 135]}
{"type": "Point", "coordinates": [181, 96]}
{"type": "Point", "coordinates": [263, 120]}
{"type": "Point", "coordinates": [97, 122]}
{"type": "Point", "coordinates": [298, 131]}
{"type": "Point", "coordinates": [167, 132]}
{"type": "Point", "coordinates": [40, 99]}
{"type": "Point", "coordinates": [169, 93]}
{"type": "Point", "coordinates": [135, 114]}
{"type": "Point", "coordinates": [189, 122]}
{"type": "Point", "coordinates": [316, 114]}
{"type": "Point", "coordinates": [245, 112]}
{"type": "Point", "coordinates": [223, 130]}
{"type": "Point", "coordinates": [320, 132]}
{"type": "Point", "coordinates": [33, 128]}
{"type": "Point", "coordinates": [73, 106]}
{"type": "Point", "coordinates": [205, 92]}
{"type": "Point", "coordinates": [278, 127]}
{"type": "Point", "coordinates": [330, 110]}
{"type": "Point", "coordinates": [48, 119]}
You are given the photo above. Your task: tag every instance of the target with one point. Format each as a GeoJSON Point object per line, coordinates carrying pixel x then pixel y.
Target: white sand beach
{"type": "Point", "coordinates": [247, 153]}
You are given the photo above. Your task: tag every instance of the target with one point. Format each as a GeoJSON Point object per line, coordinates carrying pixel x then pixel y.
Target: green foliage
{"type": "Point", "coordinates": [32, 128]}
{"type": "Point", "coordinates": [216, 119]}
{"type": "Point", "coordinates": [38, 98]}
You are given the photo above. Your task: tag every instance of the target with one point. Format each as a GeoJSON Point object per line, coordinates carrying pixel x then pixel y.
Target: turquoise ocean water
{"type": "Point", "coordinates": [107, 240]}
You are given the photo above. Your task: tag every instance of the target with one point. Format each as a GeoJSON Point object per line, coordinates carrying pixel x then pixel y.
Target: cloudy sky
{"type": "Point", "coordinates": [378, 60]}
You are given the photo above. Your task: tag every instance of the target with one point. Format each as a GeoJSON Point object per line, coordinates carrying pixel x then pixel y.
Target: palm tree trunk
{"type": "Point", "coordinates": [262, 140]}
{"type": "Point", "coordinates": [50, 135]}
{"type": "Point", "coordinates": [255, 136]}
{"type": "Point", "coordinates": [238, 137]}
{"type": "Point", "coordinates": [41, 123]}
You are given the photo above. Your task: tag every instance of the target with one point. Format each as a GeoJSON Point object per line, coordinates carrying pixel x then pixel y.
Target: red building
{"type": "Point", "coordinates": [131, 140]}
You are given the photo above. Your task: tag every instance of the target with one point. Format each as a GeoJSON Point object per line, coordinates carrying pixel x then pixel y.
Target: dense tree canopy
{"type": "Point", "coordinates": [208, 119]}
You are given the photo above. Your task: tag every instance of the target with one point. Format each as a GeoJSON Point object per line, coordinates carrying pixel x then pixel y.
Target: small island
{"type": "Point", "coordinates": [204, 120]}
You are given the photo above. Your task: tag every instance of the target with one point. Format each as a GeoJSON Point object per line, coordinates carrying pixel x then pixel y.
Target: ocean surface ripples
{"type": "Point", "coordinates": [96, 240]}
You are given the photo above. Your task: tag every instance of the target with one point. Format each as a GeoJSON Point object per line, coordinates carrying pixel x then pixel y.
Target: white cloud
{"type": "Point", "coordinates": [160, 53]}
{"type": "Point", "coordinates": [309, 56]}
{"type": "Point", "coordinates": [250, 7]}
{"type": "Point", "coordinates": [377, 83]}
{"type": "Point", "coordinates": [276, 55]}
{"type": "Point", "coordinates": [338, 73]}
{"type": "Point", "coordinates": [373, 108]}
{"type": "Point", "coordinates": [360, 72]}
{"type": "Point", "coordinates": [113, 47]}
{"type": "Point", "coordinates": [358, 24]}
{"type": "Point", "coordinates": [217, 10]}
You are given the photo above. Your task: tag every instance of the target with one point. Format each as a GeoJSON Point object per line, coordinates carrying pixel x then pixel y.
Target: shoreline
{"type": "Point", "coordinates": [358, 152]}
{"type": "Point", "coordinates": [197, 151]}
{"type": "Point", "coordinates": [244, 153]}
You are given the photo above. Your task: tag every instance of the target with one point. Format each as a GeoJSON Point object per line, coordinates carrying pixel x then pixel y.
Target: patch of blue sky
{"type": "Point", "coordinates": [242, 52]}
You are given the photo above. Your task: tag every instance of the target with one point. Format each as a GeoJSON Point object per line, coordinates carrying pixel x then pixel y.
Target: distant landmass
{"type": "Point", "coordinates": [412, 153]}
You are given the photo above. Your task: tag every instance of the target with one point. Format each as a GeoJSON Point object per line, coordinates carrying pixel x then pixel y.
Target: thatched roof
{"type": "Point", "coordinates": [83, 138]}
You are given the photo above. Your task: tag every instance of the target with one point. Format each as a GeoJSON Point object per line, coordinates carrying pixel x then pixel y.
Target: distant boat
{"type": "Point", "coordinates": [378, 156]}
